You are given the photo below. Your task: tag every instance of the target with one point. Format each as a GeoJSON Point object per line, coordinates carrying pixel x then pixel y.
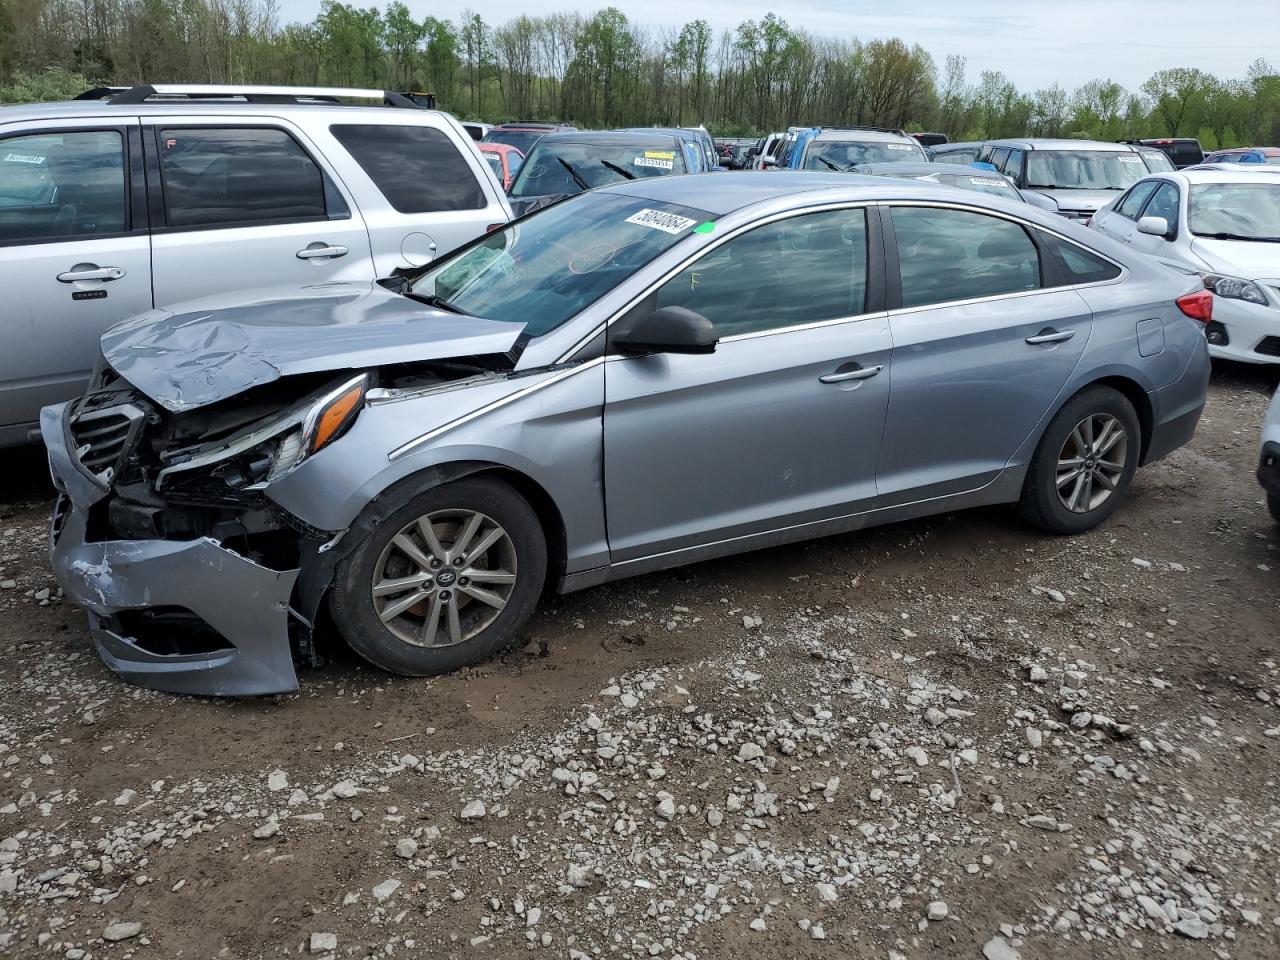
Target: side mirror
{"type": "Point", "coordinates": [669, 330]}
{"type": "Point", "coordinates": [768, 160]}
{"type": "Point", "coordinates": [1154, 227]}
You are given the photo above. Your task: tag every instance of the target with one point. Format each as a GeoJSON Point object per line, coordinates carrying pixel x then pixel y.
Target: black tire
{"type": "Point", "coordinates": [1040, 503]}
{"type": "Point", "coordinates": [1273, 504]}
{"type": "Point", "coordinates": [352, 604]}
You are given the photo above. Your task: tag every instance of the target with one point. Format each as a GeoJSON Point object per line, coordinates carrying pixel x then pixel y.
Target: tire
{"type": "Point", "coordinates": [423, 639]}
{"type": "Point", "coordinates": [1273, 504]}
{"type": "Point", "coordinates": [1092, 494]}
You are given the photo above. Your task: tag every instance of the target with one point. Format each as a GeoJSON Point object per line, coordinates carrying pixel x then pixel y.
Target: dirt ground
{"type": "Point", "coordinates": [944, 738]}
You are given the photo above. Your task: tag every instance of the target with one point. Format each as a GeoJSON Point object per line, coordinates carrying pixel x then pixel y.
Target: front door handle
{"type": "Point", "coordinates": [322, 251]}
{"type": "Point", "coordinates": [1051, 336]}
{"type": "Point", "coordinates": [858, 373]}
{"type": "Point", "coordinates": [91, 271]}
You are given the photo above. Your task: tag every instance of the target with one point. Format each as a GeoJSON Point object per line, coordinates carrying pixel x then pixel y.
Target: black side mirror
{"type": "Point", "coordinates": [669, 330]}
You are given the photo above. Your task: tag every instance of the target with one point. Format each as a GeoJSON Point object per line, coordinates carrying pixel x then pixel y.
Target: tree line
{"type": "Point", "coordinates": [604, 70]}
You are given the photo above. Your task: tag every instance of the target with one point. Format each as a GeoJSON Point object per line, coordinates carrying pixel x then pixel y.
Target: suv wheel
{"type": "Point", "coordinates": [1084, 463]}
{"type": "Point", "coordinates": [443, 582]}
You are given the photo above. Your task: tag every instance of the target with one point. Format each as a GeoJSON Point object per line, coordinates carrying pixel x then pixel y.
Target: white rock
{"type": "Point", "coordinates": [1037, 674]}
{"type": "Point", "coordinates": [750, 751]}
{"type": "Point", "coordinates": [277, 780]}
{"type": "Point", "coordinates": [532, 916]}
{"type": "Point", "coordinates": [997, 949]}
{"type": "Point", "coordinates": [817, 932]}
{"type": "Point", "coordinates": [578, 876]}
{"type": "Point", "coordinates": [122, 930]}
{"type": "Point", "coordinates": [1139, 562]}
{"type": "Point", "coordinates": [1034, 737]}
{"type": "Point", "coordinates": [267, 830]}
{"type": "Point", "coordinates": [345, 789]}
{"type": "Point", "coordinates": [126, 798]}
{"type": "Point", "coordinates": [323, 942]}
{"type": "Point", "coordinates": [385, 889]}
{"type": "Point", "coordinates": [937, 910]}
{"type": "Point", "coordinates": [666, 807]}
{"type": "Point", "coordinates": [1192, 927]}
{"type": "Point", "coordinates": [473, 810]}
{"type": "Point", "coordinates": [826, 891]}
{"type": "Point", "coordinates": [406, 848]}
{"type": "Point", "coordinates": [935, 717]}
{"type": "Point", "coordinates": [918, 755]}
{"type": "Point", "coordinates": [758, 925]}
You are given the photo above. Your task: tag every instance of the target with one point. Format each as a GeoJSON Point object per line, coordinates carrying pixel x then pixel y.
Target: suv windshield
{"type": "Point", "coordinates": [563, 166]}
{"type": "Point", "coordinates": [1083, 169]}
{"type": "Point", "coordinates": [547, 268]}
{"type": "Point", "coordinates": [522, 140]}
{"type": "Point", "coordinates": [841, 155]}
{"type": "Point", "coordinates": [1235, 211]}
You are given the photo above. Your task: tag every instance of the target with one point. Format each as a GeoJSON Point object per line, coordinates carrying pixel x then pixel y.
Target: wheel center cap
{"type": "Point", "coordinates": [445, 578]}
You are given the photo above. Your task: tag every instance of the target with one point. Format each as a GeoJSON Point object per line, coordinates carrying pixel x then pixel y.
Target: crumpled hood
{"type": "Point", "coordinates": [1247, 259]}
{"type": "Point", "coordinates": [1087, 201]}
{"type": "Point", "coordinates": [203, 351]}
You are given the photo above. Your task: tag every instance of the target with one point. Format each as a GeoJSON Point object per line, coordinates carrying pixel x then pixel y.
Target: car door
{"type": "Point", "coordinates": [781, 424]}
{"type": "Point", "coordinates": [75, 257]}
{"type": "Point", "coordinates": [1119, 221]}
{"type": "Point", "coordinates": [240, 203]}
{"type": "Point", "coordinates": [982, 344]}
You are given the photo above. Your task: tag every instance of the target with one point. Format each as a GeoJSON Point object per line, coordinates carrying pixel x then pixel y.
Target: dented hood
{"type": "Point", "coordinates": [203, 351]}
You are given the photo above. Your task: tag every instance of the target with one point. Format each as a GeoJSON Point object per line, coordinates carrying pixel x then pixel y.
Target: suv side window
{"type": "Point", "coordinates": [948, 255]}
{"type": "Point", "coordinates": [1165, 204]}
{"type": "Point", "coordinates": [61, 186]}
{"type": "Point", "coordinates": [1135, 198]}
{"type": "Point", "coordinates": [998, 157]}
{"type": "Point", "coordinates": [804, 269]}
{"type": "Point", "coordinates": [1013, 165]}
{"type": "Point", "coordinates": [418, 169]}
{"type": "Point", "coordinates": [238, 176]}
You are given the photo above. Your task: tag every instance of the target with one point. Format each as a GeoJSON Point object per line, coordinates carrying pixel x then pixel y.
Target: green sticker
{"type": "Point", "coordinates": [704, 227]}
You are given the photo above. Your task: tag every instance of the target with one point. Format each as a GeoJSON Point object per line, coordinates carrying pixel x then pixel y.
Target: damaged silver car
{"type": "Point", "coordinates": [650, 374]}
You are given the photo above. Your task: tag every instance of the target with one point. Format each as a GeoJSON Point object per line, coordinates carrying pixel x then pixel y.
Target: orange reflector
{"type": "Point", "coordinates": [336, 415]}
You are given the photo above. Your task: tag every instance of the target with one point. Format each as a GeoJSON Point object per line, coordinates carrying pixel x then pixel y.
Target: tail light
{"type": "Point", "coordinates": [1197, 306]}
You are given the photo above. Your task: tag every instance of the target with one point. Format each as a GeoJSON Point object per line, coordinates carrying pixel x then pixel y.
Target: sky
{"type": "Point", "coordinates": [1035, 42]}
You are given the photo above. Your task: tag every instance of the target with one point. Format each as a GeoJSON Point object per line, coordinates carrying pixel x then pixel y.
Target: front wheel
{"type": "Point", "coordinates": [444, 581]}
{"type": "Point", "coordinates": [1084, 463]}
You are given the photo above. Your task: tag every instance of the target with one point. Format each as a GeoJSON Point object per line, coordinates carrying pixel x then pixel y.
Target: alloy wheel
{"type": "Point", "coordinates": [1091, 462]}
{"type": "Point", "coordinates": [444, 578]}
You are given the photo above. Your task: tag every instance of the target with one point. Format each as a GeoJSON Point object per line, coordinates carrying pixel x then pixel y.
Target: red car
{"type": "Point", "coordinates": [505, 160]}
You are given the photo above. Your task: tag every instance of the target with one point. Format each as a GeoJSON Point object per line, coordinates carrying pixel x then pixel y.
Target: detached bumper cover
{"type": "Point", "coordinates": [246, 604]}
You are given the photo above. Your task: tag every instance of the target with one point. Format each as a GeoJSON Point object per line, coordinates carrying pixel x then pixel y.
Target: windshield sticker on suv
{"type": "Point", "coordinates": [1129, 159]}
{"type": "Point", "coordinates": [659, 154]}
{"type": "Point", "coordinates": [986, 182]}
{"type": "Point", "coordinates": [23, 158]}
{"type": "Point", "coordinates": [653, 162]}
{"type": "Point", "coordinates": [899, 146]}
{"type": "Point", "coordinates": [658, 220]}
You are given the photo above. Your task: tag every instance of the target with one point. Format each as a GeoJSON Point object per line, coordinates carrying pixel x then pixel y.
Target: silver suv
{"type": "Point", "coordinates": [1073, 178]}
{"type": "Point", "coordinates": [168, 192]}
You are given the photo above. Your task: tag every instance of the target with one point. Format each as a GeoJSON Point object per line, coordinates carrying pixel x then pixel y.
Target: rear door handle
{"type": "Point", "coordinates": [1051, 336]}
{"type": "Point", "coordinates": [88, 271]}
{"type": "Point", "coordinates": [858, 373]}
{"type": "Point", "coordinates": [322, 251]}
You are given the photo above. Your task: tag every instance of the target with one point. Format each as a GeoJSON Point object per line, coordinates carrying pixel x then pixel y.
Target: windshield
{"type": "Point", "coordinates": [841, 155]}
{"type": "Point", "coordinates": [522, 140]}
{"type": "Point", "coordinates": [1243, 211]}
{"type": "Point", "coordinates": [1083, 170]}
{"type": "Point", "coordinates": [494, 161]}
{"type": "Point", "coordinates": [562, 166]}
{"type": "Point", "coordinates": [1157, 161]}
{"type": "Point", "coordinates": [544, 270]}
{"type": "Point", "coordinates": [963, 157]}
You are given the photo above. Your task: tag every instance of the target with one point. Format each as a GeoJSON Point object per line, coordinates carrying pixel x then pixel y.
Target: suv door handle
{"type": "Point", "coordinates": [89, 271]}
{"type": "Point", "coordinates": [857, 373]}
{"type": "Point", "coordinates": [1049, 335]}
{"type": "Point", "coordinates": [321, 251]}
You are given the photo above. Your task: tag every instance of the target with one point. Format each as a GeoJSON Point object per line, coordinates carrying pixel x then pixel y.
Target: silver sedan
{"type": "Point", "coordinates": [647, 375]}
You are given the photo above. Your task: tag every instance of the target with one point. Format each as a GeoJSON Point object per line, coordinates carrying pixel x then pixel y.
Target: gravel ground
{"type": "Point", "coordinates": [951, 737]}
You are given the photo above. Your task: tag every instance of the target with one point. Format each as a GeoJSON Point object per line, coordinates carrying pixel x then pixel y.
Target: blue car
{"type": "Point", "coordinates": [840, 149]}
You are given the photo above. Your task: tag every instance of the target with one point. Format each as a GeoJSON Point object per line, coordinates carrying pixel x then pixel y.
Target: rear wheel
{"type": "Point", "coordinates": [1084, 463]}
{"type": "Point", "coordinates": [443, 582]}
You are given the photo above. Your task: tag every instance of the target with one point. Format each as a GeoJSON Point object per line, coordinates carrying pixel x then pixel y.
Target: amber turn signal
{"type": "Point", "coordinates": [336, 415]}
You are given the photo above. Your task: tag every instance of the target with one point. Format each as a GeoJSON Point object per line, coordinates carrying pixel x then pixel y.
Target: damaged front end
{"type": "Point", "coordinates": [195, 581]}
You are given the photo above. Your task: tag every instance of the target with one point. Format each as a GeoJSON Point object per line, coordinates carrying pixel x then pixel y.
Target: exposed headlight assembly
{"type": "Point", "coordinates": [263, 453]}
{"type": "Point", "coordinates": [1233, 288]}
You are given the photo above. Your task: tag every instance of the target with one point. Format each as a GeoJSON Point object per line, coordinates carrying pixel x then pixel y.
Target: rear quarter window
{"type": "Point", "coordinates": [1076, 264]}
{"type": "Point", "coordinates": [417, 169]}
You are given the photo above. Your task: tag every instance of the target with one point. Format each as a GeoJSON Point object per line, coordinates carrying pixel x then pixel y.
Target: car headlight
{"type": "Point", "coordinates": [1233, 288]}
{"type": "Point", "coordinates": [269, 450]}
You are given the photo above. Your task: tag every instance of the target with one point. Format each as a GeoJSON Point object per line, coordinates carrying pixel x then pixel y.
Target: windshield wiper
{"type": "Point", "coordinates": [836, 167]}
{"type": "Point", "coordinates": [574, 173]}
{"type": "Point", "coordinates": [617, 169]}
{"type": "Point", "coordinates": [1044, 186]}
{"type": "Point", "coordinates": [440, 303]}
{"type": "Point", "coordinates": [1236, 236]}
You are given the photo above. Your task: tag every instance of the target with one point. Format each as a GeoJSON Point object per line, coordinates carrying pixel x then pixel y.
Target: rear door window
{"type": "Point", "coordinates": [1132, 203]}
{"type": "Point", "coordinates": [418, 169]}
{"type": "Point", "coordinates": [947, 255]}
{"type": "Point", "coordinates": [240, 176]}
{"type": "Point", "coordinates": [61, 186]}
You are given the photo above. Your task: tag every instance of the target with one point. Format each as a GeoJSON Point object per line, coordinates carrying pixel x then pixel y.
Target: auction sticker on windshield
{"type": "Point", "coordinates": [659, 220]}
{"type": "Point", "coordinates": [986, 182]}
{"type": "Point", "coordinates": [653, 162]}
{"type": "Point", "coordinates": [659, 154]}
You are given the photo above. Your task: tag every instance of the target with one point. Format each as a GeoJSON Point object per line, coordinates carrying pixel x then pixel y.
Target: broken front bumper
{"type": "Point", "coordinates": [142, 596]}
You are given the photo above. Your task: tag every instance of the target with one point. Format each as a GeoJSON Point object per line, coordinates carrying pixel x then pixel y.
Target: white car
{"type": "Point", "coordinates": [1225, 225]}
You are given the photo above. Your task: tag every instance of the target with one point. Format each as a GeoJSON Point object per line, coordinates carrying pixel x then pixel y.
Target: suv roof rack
{"type": "Point", "coordinates": [216, 92]}
{"type": "Point", "coordinates": [99, 93]}
{"type": "Point", "coordinates": [866, 126]}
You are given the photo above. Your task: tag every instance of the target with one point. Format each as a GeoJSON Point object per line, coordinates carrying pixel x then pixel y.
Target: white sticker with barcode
{"type": "Point", "coordinates": [34, 158]}
{"type": "Point", "coordinates": [899, 146]}
{"type": "Point", "coordinates": [653, 162]}
{"type": "Point", "coordinates": [1130, 159]}
{"type": "Point", "coordinates": [660, 220]}
{"type": "Point", "coordinates": [986, 181]}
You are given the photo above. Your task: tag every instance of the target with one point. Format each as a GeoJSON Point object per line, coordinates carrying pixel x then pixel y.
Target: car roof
{"type": "Point", "coordinates": [99, 109]}
{"type": "Point", "coordinates": [849, 134]}
{"type": "Point", "coordinates": [1227, 173]}
{"type": "Point", "coordinates": [637, 137]}
{"type": "Point", "coordinates": [1048, 143]}
{"type": "Point", "coordinates": [957, 145]}
{"type": "Point", "coordinates": [924, 169]}
{"type": "Point", "coordinates": [1265, 151]}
